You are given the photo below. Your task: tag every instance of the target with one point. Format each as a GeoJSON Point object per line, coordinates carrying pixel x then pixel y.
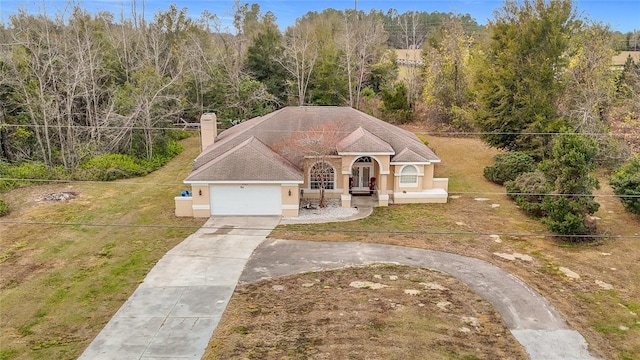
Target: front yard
{"type": "Point", "coordinates": [603, 303]}
{"type": "Point", "coordinates": [59, 284]}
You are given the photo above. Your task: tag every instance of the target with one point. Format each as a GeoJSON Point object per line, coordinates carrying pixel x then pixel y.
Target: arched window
{"type": "Point", "coordinates": [409, 176]}
{"type": "Point", "coordinates": [322, 175]}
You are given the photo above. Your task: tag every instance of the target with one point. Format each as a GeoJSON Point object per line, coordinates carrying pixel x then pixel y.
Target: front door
{"type": "Point", "coordinates": [361, 174]}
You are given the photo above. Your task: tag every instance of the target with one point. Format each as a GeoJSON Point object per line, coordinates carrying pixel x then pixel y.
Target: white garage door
{"type": "Point", "coordinates": [246, 200]}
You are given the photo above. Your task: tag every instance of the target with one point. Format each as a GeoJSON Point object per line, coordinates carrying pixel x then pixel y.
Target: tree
{"type": "Point", "coordinates": [590, 91]}
{"type": "Point", "coordinates": [626, 184]}
{"type": "Point", "coordinates": [395, 102]}
{"type": "Point", "coordinates": [262, 59]}
{"type": "Point", "coordinates": [314, 148]}
{"type": "Point", "coordinates": [569, 170]}
{"type": "Point", "coordinates": [517, 80]}
{"type": "Point", "coordinates": [362, 44]}
{"type": "Point", "coordinates": [447, 75]}
{"type": "Point", "coordinates": [299, 57]}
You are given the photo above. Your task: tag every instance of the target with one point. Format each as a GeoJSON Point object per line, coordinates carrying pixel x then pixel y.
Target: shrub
{"type": "Point", "coordinates": [109, 167]}
{"type": "Point", "coordinates": [26, 170]}
{"type": "Point", "coordinates": [626, 184]}
{"type": "Point", "coordinates": [4, 208]}
{"type": "Point", "coordinates": [528, 190]}
{"type": "Point", "coordinates": [573, 160]}
{"type": "Point", "coordinates": [509, 166]}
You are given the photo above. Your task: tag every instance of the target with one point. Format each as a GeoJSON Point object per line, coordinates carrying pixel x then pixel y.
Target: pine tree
{"type": "Point", "coordinates": [517, 80]}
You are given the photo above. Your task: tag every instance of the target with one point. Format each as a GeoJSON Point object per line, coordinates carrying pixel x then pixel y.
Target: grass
{"type": "Point", "coordinates": [60, 284]}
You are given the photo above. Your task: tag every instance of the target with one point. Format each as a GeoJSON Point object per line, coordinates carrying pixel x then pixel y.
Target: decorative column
{"type": "Point", "coordinates": [345, 196]}
{"type": "Point", "coordinates": [383, 196]}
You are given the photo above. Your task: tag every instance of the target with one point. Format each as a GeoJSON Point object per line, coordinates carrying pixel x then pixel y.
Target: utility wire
{"type": "Point", "coordinates": [196, 129]}
{"type": "Point", "coordinates": [118, 183]}
{"type": "Point", "coordinates": [121, 182]}
{"type": "Point", "coordinates": [383, 232]}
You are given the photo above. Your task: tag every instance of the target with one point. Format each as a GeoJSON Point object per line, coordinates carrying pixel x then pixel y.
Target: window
{"type": "Point", "coordinates": [409, 176]}
{"type": "Point", "coordinates": [322, 175]}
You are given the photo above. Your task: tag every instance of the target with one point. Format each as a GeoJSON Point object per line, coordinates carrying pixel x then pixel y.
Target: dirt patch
{"type": "Point", "coordinates": [379, 312]}
{"type": "Point", "coordinates": [59, 196]}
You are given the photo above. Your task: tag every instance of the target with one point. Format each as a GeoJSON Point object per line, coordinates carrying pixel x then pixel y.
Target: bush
{"type": "Point", "coordinates": [26, 170]}
{"type": "Point", "coordinates": [626, 184]}
{"type": "Point", "coordinates": [573, 160]}
{"type": "Point", "coordinates": [528, 190]}
{"type": "Point", "coordinates": [4, 208]}
{"type": "Point", "coordinates": [509, 166]}
{"type": "Point", "coordinates": [109, 167]}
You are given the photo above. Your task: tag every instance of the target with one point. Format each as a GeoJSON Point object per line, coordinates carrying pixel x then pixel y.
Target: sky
{"type": "Point", "coordinates": [621, 15]}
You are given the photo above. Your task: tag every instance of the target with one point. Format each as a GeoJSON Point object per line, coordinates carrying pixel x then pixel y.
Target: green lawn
{"type": "Point", "coordinates": [60, 284]}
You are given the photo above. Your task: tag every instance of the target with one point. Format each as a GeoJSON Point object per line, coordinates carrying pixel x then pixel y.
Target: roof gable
{"type": "Point", "coordinates": [362, 141]}
{"type": "Point", "coordinates": [248, 161]}
{"type": "Point", "coordinates": [409, 156]}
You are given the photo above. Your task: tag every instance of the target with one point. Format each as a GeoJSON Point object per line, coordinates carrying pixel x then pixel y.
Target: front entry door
{"type": "Point", "coordinates": [361, 174]}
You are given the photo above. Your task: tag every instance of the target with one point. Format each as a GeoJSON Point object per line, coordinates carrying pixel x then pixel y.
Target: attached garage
{"type": "Point", "coordinates": [246, 199]}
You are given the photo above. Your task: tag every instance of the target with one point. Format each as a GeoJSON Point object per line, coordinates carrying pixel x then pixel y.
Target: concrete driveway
{"type": "Point", "coordinates": [543, 333]}
{"type": "Point", "coordinates": [174, 312]}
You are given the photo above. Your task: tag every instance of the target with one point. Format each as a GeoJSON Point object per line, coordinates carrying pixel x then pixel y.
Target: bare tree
{"type": "Point", "coordinates": [362, 43]}
{"type": "Point", "coordinates": [300, 55]}
{"type": "Point", "coordinates": [314, 147]}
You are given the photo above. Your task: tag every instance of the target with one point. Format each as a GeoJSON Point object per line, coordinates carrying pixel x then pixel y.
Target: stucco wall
{"type": "Point", "coordinates": [427, 190]}
{"type": "Point", "coordinates": [290, 200]}
{"type": "Point", "coordinates": [201, 206]}
{"type": "Point", "coordinates": [184, 206]}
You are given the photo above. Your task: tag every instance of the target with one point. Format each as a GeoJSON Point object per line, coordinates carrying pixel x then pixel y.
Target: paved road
{"type": "Point", "coordinates": [174, 311]}
{"type": "Point", "coordinates": [532, 320]}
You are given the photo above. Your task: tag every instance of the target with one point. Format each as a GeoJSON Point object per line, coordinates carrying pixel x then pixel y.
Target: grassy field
{"type": "Point", "coordinates": [59, 285]}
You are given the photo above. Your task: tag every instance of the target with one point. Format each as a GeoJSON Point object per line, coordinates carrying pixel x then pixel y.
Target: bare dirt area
{"type": "Point", "coordinates": [380, 312]}
{"type": "Point", "coordinates": [594, 285]}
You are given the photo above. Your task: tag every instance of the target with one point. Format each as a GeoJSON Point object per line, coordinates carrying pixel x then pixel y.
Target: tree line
{"type": "Point", "coordinates": [75, 85]}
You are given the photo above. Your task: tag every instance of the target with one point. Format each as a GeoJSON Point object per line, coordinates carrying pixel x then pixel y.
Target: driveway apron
{"type": "Point", "coordinates": [540, 329]}
{"type": "Point", "coordinates": [174, 312]}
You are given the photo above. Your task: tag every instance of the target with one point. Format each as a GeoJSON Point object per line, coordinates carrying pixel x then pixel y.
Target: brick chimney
{"type": "Point", "coordinates": [208, 129]}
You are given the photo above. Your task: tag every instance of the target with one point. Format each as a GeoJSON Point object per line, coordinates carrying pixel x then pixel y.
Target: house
{"type": "Point", "coordinates": [251, 169]}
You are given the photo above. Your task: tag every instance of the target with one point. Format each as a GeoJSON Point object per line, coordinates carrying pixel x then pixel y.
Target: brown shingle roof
{"type": "Point", "coordinates": [276, 128]}
{"type": "Point", "coordinates": [406, 155]}
{"type": "Point", "coordinates": [363, 141]}
{"type": "Point", "coordinates": [250, 160]}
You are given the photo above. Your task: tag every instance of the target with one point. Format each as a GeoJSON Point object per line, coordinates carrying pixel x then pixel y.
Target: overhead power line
{"type": "Point", "coordinates": [477, 193]}
{"type": "Point", "coordinates": [315, 230]}
{"type": "Point", "coordinates": [441, 133]}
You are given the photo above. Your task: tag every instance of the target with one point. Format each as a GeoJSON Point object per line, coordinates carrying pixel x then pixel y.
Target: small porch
{"type": "Point", "coordinates": [367, 179]}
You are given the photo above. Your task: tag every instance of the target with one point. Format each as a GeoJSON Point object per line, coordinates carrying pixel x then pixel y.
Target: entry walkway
{"type": "Point", "coordinates": [174, 312]}
{"type": "Point", "coordinates": [542, 332]}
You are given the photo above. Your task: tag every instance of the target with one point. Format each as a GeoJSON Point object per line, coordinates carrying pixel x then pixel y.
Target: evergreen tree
{"type": "Point", "coordinates": [263, 57]}
{"type": "Point", "coordinates": [517, 80]}
{"type": "Point", "coordinates": [569, 169]}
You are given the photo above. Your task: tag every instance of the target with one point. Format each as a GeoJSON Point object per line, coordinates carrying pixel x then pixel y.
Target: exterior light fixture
{"type": "Point", "coordinates": [289, 192]}
{"type": "Point", "coordinates": [200, 192]}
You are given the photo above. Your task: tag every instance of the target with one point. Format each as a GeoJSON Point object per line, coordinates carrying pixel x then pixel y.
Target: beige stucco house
{"type": "Point", "coordinates": [245, 171]}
